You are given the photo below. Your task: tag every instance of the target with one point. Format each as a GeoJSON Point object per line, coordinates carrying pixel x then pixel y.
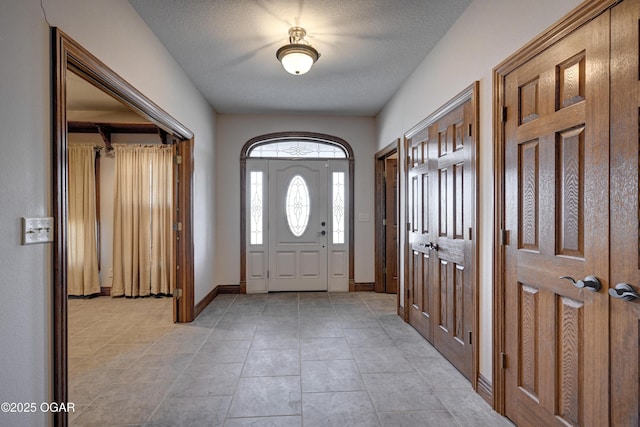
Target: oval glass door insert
{"type": "Point", "coordinates": [298, 205]}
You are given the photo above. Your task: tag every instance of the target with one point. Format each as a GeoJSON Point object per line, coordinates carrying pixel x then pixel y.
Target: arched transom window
{"type": "Point", "coordinates": [297, 148]}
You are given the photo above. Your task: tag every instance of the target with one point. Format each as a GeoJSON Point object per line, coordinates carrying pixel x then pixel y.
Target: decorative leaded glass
{"type": "Point", "coordinates": [298, 205]}
{"type": "Point", "coordinates": [338, 207]}
{"type": "Point", "coordinates": [256, 208]}
{"type": "Point", "coordinates": [299, 150]}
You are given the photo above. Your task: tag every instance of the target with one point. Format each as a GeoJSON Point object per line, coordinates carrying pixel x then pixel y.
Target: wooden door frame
{"type": "Point", "coordinates": [380, 213]}
{"type": "Point", "coordinates": [67, 54]}
{"type": "Point", "coordinates": [301, 136]}
{"type": "Point", "coordinates": [566, 25]}
{"type": "Point", "coordinates": [470, 93]}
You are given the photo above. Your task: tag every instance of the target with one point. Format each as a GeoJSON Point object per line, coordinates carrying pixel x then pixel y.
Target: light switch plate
{"type": "Point", "coordinates": [363, 217]}
{"type": "Point", "coordinates": [37, 230]}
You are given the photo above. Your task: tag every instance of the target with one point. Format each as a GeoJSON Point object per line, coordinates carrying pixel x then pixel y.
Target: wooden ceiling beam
{"type": "Point", "coordinates": [111, 128]}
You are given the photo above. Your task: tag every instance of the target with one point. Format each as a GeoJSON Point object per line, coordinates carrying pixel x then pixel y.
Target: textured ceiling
{"type": "Point", "coordinates": [367, 47]}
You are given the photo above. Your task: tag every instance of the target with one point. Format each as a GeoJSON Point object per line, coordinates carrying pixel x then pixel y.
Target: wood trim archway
{"type": "Point", "coordinates": [68, 55]}
{"type": "Point", "coordinates": [584, 13]}
{"type": "Point", "coordinates": [284, 136]}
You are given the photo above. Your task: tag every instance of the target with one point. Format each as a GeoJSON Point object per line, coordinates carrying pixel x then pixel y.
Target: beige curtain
{"type": "Point", "coordinates": [82, 256]}
{"type": "Point", "coordinates": [142, 241]}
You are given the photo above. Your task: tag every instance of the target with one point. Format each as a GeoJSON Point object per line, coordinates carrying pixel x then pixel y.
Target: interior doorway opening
{"type": "Point", "coordinates": [69, 57]}
{"type": "Point", "coordinates": [386, 219]}
{"type": "Point", "coordinates": [120, 179]}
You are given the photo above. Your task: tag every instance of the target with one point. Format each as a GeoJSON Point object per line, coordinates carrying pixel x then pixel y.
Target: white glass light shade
{"type": "Point", "coordinates": [297, 63]}
{"type": "Point", "coordinates": [297, 59]}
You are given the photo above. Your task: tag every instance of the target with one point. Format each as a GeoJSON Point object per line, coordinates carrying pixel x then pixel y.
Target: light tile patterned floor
{"type": "Point", "coordinates": [281, 360]}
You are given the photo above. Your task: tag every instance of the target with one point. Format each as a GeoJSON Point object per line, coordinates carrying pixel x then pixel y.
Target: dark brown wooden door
{"type": "Point", "coordinates": [441, 185]}
{"type": "Point", "coordinates": [557, 224]}
{"type": "Point", "coordinates": [391, 225]}
{"type": "Point", "coordinates": [625, 240]}
{"type": "Point", "coordinates": [452, 270]}
{"type": "Point", "coordinates": [419, 283]}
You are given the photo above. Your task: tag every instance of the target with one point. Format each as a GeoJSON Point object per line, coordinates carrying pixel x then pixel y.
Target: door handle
{"type": "Point", "coordinates": [433, 246]}
{"type": "Point", "coordinates": [590, 282]}
{"type": "Point", "coordinates": [624, 291]}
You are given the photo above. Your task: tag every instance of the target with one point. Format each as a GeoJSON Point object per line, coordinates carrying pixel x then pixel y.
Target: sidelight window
{"type": "Point", "coordinates": [337, 208]}
{"type": "Point", "coordinates": [256, 208]}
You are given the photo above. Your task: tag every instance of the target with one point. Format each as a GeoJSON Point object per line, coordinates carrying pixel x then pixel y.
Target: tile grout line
{"type": "Point", "coordinates": [244, 362]}
{"type": "Point", "coordinates": [86, 406]}
{"type": "Point", "coordinates": [164, 398]}
{"type": "Point", "coordinates": [358, 367]}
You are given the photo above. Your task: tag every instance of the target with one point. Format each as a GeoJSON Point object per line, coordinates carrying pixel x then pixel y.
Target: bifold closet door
{"type": "Point", "coordinates": [625, 220]}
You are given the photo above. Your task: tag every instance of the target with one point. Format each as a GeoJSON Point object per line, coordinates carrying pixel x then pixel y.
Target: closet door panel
{"type": "Point", "coordinates": [625, 237]}
{"type": "Point", "coordinates": [557, 217]}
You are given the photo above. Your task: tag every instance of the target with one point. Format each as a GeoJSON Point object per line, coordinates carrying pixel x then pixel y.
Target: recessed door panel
{"type": "Point", "coordinates": [257, 267]}
{"type": "Point", "coordinates": [310, 264]}
{"type": "Point", "coordinates": [339, 264]}
{"type": "Point", "coordinates": [286, 265]}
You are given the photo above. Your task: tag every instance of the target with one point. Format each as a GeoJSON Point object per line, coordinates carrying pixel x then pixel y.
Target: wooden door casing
{"type": "Point", "coordinates": [441, 183]}
{"type": "Point", "coordinates": [184, 309]}
{"type": "Point", "coordinates": [625, 239]}
{"type": "Point", "coordinates": [556, 223]}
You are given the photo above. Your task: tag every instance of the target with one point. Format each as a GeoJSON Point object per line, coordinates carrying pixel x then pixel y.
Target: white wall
{"type": "Point", "coordinates": [235, 130]}
{"type": "Point", "coordinates": [117, 35]}
{"type": "Point", "coordinates": [486, 34]}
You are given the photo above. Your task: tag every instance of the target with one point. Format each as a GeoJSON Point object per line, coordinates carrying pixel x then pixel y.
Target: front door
{"type": "Point", "coordinates": [298, 225]}
{"type": "Point", "coordinates": [625, 238]}
{"type": "Point", "coordinates": [442, 219]}
{"type": "Point", "coordinates": [556, 229]}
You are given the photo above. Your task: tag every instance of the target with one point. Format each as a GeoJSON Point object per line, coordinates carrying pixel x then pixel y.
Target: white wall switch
{"type": "Point", "coordinates": [37, 230]}
{"type": "Point", "coordinates": [363, 217]}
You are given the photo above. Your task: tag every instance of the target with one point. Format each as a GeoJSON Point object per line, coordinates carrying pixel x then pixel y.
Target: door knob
{"type": "Point", "coordinates": [433, 246]}
{"type": "Point", "coordinates": [322, 232]}
{"type": "Point", "coordinates": [590, 282]}
{"type": "Point", "coordinates": [624, 291]}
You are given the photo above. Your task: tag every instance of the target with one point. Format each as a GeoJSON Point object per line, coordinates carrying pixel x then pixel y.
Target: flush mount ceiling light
{"type": "Point", "coordinates": [298, 56]}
